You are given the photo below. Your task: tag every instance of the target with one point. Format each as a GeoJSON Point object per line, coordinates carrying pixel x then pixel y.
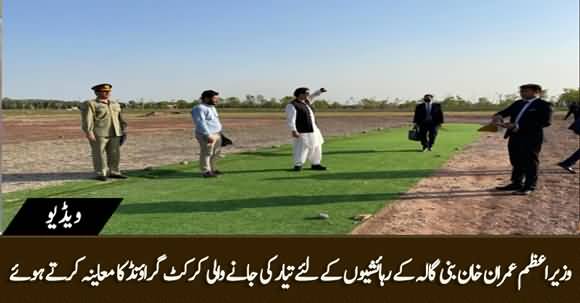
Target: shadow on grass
{"type": "Point", "coordinates": [238, 204]}
{"type": "Point", "coordinates": [374, 175]}
{"type": "Point", "coordinates": [179, 174]}
{"type": "Point", "coordinates": [327, 153]}
{"type": "Point", "coordinates": [170, 174]}
{"type": "Point", "coordinates": [287, 201]}
{"type": "Point", "coordinates": [45, 177]}
{"type": "Point", "coordinates": [329, 175]}
{"type": "Point", "coordinates": [58, 176]}
{"type": "Point", "coordinates": [175, 173]}
{"type": "Point", "coordinates": [402, 174]}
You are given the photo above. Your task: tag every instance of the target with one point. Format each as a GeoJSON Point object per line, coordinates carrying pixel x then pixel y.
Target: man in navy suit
{"type": "Point", "coordinates": [573, 109]}
{"type": "Point", "coordinates": [428, 117]}
{"type": "Point", "coordinates": [525, 133]}
{"type": "Point", "coordinates": [575, 157]}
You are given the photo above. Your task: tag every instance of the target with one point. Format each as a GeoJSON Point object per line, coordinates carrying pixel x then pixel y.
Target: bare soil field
{"type": "Point", "coordinates": [41, 150]}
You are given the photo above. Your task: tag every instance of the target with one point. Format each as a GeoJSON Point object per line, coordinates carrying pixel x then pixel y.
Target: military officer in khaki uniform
{"type": "Point", "coordinates": [104, 126]}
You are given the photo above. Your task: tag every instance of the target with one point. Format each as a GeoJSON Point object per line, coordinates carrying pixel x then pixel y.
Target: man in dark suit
{"type": "Point", "coordinates": [573, 109]}
{"type": "Point", "coordinates": [569, 163]}
{"type": "Point", "coordinates": [528, 117]}
{"type": "Point", "coordinates": [428, 117]}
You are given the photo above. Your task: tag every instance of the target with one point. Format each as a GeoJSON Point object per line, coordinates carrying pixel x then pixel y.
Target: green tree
{"type": "Point", "coordinates": [335, 105]}
{"type": "Point", "coordinates": [231, 102]}
{"type": "Point", "coordinates": [569, 96]}
{"type": "Point", "coordinates": [261, 100]}
{"type": "Point", "coordinates": [286, 100]}
{"type": "Point", "coordinates": [182, 104]}
{"type": "Point", "coordinates": [250, 101]}
{"type": "Point", "coordinates": [272, 103]}
{"type": "Point", "coordinates": [483, 101]}
{"type": "Point", "coordinates": [322, 104]}
{"type": "Point", "coordinates": [508, 99]}
{"type": "Point", "coordinates": [455, 101]}
{"type": "Point", "coordinates": [369, 103]}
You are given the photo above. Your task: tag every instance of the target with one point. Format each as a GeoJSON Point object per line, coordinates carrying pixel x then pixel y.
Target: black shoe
{"type": "Point", "coordinates": [118, 176]}
{"type": "Point", "coordinates": [217, 172]}
{"type": "Point", "coordinates": [567, 168]}
{"type": "Point", "coordinates": [297, 168]}
{"type": "Point", "coordinates": [510, 187]}
{"type": "Point", "coordinates": [101, 178]}
{"type": "Point", "coordinates": [208, 175]}
{"type": "Point", "coordinates": [317, 167]}
{"type": "Point", "coordinates": [524, 191]}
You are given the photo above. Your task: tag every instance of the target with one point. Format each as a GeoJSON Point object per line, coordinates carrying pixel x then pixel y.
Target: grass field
{"type": "Point", "coordinates": [259, 195]}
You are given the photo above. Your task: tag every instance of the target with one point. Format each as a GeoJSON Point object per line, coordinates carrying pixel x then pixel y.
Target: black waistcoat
{"type": "Point", "coordinates": [303, 120]}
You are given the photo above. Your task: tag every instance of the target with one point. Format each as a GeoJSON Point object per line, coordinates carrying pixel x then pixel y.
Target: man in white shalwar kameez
{"type": "Point", "coordinates": [307, 137]}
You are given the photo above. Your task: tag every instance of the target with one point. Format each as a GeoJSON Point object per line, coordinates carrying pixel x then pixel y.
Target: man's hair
{"type": "Point", "coordinates": [535, 87]}
{"type": "Point", "coordinates": [427, 95]}
{"type": "Point", "coordinates": [299, 91]}
{"type": "Point", "coordinates": [209, 94]}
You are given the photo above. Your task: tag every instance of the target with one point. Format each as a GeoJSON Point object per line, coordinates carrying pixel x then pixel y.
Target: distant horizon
{"type": "Point", "coordinates": [344, 102]}
{"type": "Point", "coordinates": [367, 49]}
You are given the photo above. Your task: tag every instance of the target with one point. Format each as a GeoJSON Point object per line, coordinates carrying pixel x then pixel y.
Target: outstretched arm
{"type": "Point", "coordinates": [569, 113]}
{"type": "Point", "coordinates": [316, 94]}
{"type": "Point", "coordinates": [497, 119]}
{"type": "Point", "coordinates": [505, 112]}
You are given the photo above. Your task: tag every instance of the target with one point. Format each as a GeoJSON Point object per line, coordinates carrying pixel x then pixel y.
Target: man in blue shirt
{"type": "Point", "coordinates": [208, 132]}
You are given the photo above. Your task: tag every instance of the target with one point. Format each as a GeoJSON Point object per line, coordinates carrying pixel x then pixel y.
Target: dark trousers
{"type": "Point", "coordinates": [571, 161]}
{"type": "Point", "coordinates": [427, 134]}
{"type": "Point", "coordinates": [524, 152]}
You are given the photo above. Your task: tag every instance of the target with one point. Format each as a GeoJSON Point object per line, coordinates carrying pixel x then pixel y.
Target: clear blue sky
{"type": "Point", "coordinates": [369, 48]}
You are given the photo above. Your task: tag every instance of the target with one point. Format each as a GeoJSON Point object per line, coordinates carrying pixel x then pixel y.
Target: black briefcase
{"type": "Point", "coordinates": [414, 134]}
{"type": "Point", "coordinates": [225, 140]}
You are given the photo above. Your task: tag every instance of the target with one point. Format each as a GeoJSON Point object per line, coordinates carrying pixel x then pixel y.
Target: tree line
{"type": "Point", "coordinates": [260, 102]}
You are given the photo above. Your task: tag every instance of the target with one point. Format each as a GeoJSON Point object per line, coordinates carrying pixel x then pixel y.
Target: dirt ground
{"type": "Point", "coordinates": [45, 150]}
{"type": "Point", "coordinates": [460, 198]}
